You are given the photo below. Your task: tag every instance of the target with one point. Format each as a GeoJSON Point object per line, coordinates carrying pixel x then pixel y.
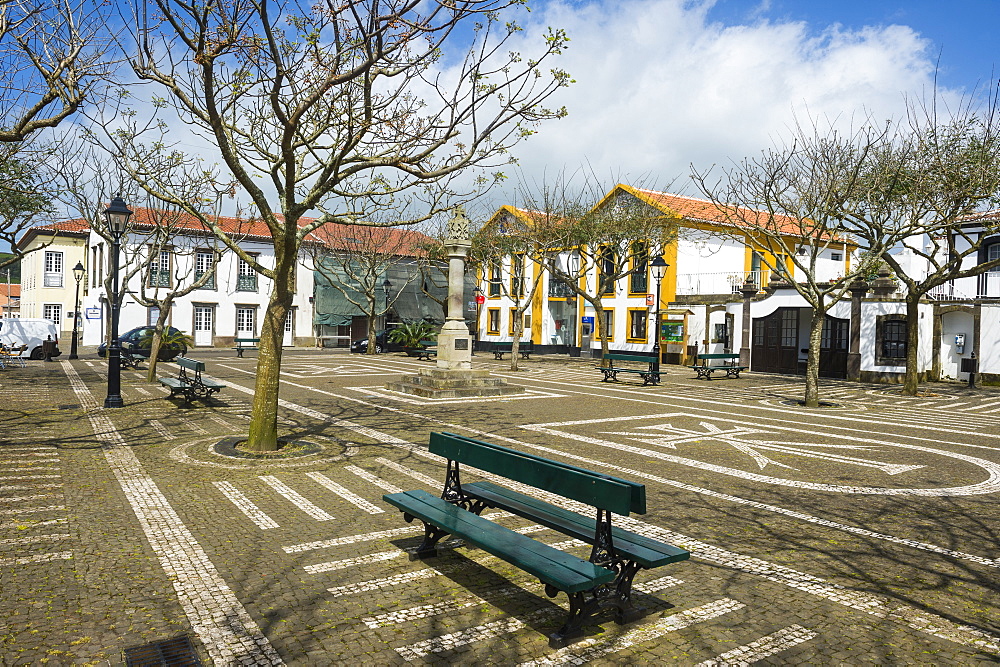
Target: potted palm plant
{"type": "Point", "coordinates": [173, 343]}
{"type": "Point", "coordinates": [413, 335]}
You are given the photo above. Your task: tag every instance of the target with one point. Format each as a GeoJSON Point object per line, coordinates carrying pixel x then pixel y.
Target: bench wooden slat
{"type": "Point", "coordinates": [552, 566]}
{"type": "Point", "coordinates": [638, 491]}
{"type": "Point", "coordinates": [190, 364]}
{"type": "Point", "coordinates": [580, 486]}
{"type": "Point", "coordinates": [646, 551]}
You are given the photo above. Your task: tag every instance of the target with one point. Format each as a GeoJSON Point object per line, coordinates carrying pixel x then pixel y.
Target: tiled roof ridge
{"type": "Point", "coordinates": [671, 194]}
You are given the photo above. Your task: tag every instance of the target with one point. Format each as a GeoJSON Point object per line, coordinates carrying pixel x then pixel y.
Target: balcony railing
{"type": "Point", "coordinates": [559, 290]}
{"type": "Point", "coordinates": [724, 282]}
{"type": "Point", "coordinates": [246, 283]}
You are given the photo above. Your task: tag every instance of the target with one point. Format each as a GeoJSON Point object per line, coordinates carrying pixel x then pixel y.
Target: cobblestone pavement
{"type": "Point", "coordinates": [863, 532]}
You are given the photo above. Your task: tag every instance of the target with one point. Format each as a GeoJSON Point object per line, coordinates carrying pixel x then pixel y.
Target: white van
{"type": "Point", "coordinates": [16, 331]}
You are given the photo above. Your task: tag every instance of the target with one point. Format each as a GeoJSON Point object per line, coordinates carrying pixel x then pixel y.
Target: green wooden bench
{"type": "Point", "coordinates": [128, 360]}
{"type": "Point", "coordinates": [603, 581]}
{"type": "Point", "coordinates": [244, 344]}
{"type": "Point", "coordinates": [428, 349]}
{"type": "Point", "coordinates": [524, 348]}
{"type": "Point", "coordinates": [615, 362]}
{"type": "Point", "coordinates": [706, 364]}
{"type": "Point", "coordinates": [192, 384]}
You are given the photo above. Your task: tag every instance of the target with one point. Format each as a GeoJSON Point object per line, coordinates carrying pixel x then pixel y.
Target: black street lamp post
{"type": "Point", "coordinates": [78, 272]}
{"type": "Point", "coordinates": [386, 285]}
{"type": "Point", "coordinates": [117, 216]}
{"type": "Point", "coordinates": [659, 268]}
{"type": "Point", "coordinates": [478, 291]}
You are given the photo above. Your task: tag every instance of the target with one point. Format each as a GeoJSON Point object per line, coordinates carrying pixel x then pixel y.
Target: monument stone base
{"type": "Point", "coordinates": [454, 383]}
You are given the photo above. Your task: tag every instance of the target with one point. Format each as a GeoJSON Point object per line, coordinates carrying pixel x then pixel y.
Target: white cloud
{"type": "Point", "coordinates": [659, 86]}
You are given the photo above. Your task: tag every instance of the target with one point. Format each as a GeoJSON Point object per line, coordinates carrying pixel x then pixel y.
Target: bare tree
{"type": "Point", "coordinates": [588, 240]}
{"type": "Point", "coordinates": [355, 260]}
{"type": "Point", "coordinates": [343, 108]}
{"type": "Point", "coordinates": [925, 190]}
{"type": "Point", "coordinates": [53, 55]}
{"type": "Point", "coordinates": [508, 247]}
{"type": "Point", "coordinates": [788, 205]}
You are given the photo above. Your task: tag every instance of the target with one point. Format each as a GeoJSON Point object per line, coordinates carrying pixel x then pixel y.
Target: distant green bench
{"type": "Point", "coordinates": [524, 348]}
{"type": "Point", "coordinates": [428, 349]}
{"type": "Point", "coordinates": [192, 385]}
{"type": "Point", "coordinates": [615, 362]}
{"type": "Point", "coordinates": [602, 581]}
{"type": "Point", "coordinates": [244, 344]}
{"type": "Point", "coordinates": [728, 362]}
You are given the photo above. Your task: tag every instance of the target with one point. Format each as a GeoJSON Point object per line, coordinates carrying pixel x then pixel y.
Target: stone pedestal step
{"type": "Point", "coordinates": [445, 383]}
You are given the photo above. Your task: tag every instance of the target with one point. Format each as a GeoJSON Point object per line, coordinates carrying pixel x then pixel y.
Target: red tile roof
{"type": "Point", "coordinates": [703, 210]}
{"type": "Point", "coordinates": [389, 240]}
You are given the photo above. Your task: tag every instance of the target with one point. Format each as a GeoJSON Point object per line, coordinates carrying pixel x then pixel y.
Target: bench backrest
{"type": "Point", "coordinates": [507, 345]}
{"type": "Point", "coordinates": [630, 357]}
{"type": "Point", "coordinates": [246, 340]}
{"type": "Point", "coordinates": [190, 364]}
{"type": "Point", "coordinates": [719, 356]}
{"type": "Point", "coordinates": [585, 486]}
{"type": "Point", "coordinates": [427, 343]}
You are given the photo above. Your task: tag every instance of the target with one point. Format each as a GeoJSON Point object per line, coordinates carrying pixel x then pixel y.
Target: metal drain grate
{"type": "Point", "coordinates": [176, 652]}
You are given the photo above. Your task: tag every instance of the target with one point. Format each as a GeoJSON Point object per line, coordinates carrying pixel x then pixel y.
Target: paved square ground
{"type": "Point", "coordinates": [865, 532]}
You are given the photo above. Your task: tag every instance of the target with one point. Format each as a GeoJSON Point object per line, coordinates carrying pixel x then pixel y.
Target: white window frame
{"type": "Point", "coordinates": [53, 269]}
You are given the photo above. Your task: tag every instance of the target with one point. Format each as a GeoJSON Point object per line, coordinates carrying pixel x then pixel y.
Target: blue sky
{"type": "Point", "coordinates": [664, 85]}
{"type": "Point", "coordinates": [667, 85]}
{"type": "Point", "coordinates": [961, 32]}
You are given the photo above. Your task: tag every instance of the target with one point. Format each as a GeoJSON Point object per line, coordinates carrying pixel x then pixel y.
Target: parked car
{"type": "Point", "coordinates": [382, 344]}
{"type": "Point", "coordinates": [138, 342]}
{"type": "Point", "coordinates": [17, 331]}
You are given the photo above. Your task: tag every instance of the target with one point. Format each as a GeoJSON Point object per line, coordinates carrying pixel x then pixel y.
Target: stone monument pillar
{"type": "Point", "coordinates": [454, 342]}
{"type": "Point", "coordinates": [453, 375]}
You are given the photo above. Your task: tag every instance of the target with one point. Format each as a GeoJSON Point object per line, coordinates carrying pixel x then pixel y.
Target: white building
{"type": "Point", "coordinates": [229, 305]}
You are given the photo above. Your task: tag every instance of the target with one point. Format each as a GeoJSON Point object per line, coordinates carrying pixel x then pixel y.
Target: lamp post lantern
{"type": "Point", "coordinates": [386, 285]}
{"type": "Point", "coordinates": [116, 216]}
{"type": "Point", "coordinates": [78, 272]}
{"type": "Point", "coordinates": [659, 268]}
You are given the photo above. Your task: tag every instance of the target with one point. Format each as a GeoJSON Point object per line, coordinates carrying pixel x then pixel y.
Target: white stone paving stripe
{"type": "Point", "coordinates": [51, 456]}
{"type": "Point", "coordinates": [385, 582]}
{"type": "Point", "coordinates": [217, 617]}
{"type": "Point", "coordinates": [594, 648]}
{"type": "Point", "coordinates": [765, 647]}
{"type": "Point", "coordinates": [12, 487]}
{"type": "Point", "coordinates": [344, 493]}
{"type": "Point", "coordinates": [504, 626]}
{"type": "Point", "coordinates": [491, 595]}
{"type": "Point", "coordinates": [296, 498]}
{"type": "Point", "coordinates": [23, 448]}
{"type": "Point", "coordinates": [658, 584]}
{"type": "Point", "coordinates": [245, 505]}
{"type": "Point", "coordinates": [352, 539]}
{"type": "Point", "coordinates": [41, 467]}
{"type": "Point", "coordinates": [161, 430]}
{"type": "Point", "coordinates": [36, 538]}
{"type": "Point", "coordinates": [39, 558]}
{"type": "Point", "coordinates": [15, 478]}
{"type": "Point", "coordinates": [142, 390]}
{"type": "Point", "coordinates": [352, 562]}
{"type": "Point", "coordinates": [194, 426]}
{"type": "Point", "coordinates": [376, 481]}
{"type": "Point", "coordinates": [31, 510]}
{"type": "Point", "coordinates": [420, 477]}
{"type": "Point", "coordinates": [25, 525]}
{"type": "Point", "coordinates": [18, 499]}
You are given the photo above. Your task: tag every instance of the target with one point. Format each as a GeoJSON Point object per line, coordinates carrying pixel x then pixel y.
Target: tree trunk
{"type": "Point", "coordinates": [599, 325]}
{"type": "Point", "coordinates": [263, 432]}
{"type": "Point", "coordinates": [372, 338]}
{"type": "Point", "coordinates": [812, 363]}
{"type": "Point", "coordinates": [518, 331]}
{"type": "Point", "coordinates": [154, 349]}
{"type": "Point", "coordinates": [911, 379]}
